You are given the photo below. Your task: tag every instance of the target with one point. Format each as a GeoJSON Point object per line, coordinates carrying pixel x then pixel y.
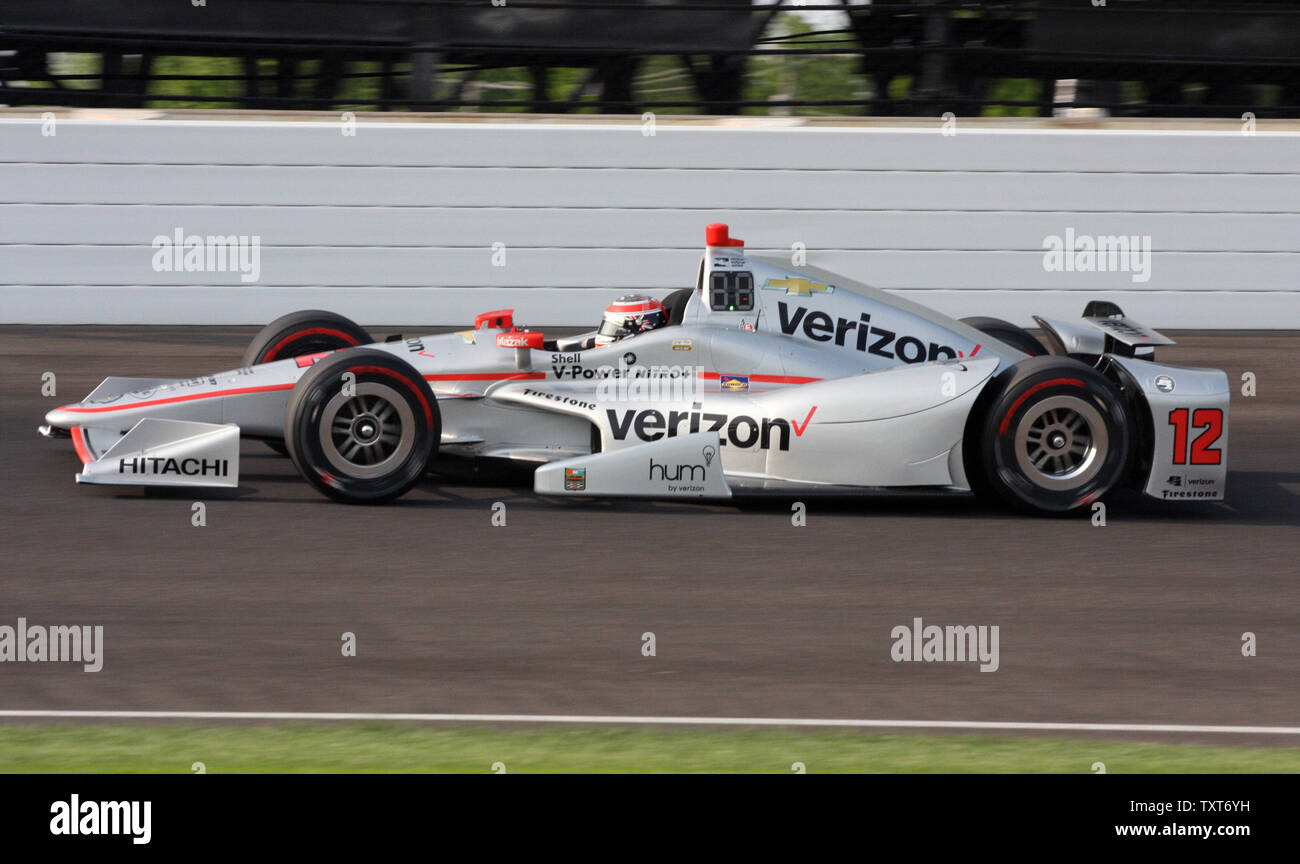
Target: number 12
{"type": "Point", "coordinates": [1201, 451]}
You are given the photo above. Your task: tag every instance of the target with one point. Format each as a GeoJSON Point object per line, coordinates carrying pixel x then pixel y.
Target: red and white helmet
{"type": "Point", "coordinates": [629, 315]}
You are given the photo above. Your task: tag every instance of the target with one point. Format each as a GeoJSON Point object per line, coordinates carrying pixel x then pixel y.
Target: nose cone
{"type": "Point", "coordinates": [91, 413]}
{"type": "Point", "coordinates": [61, 417]}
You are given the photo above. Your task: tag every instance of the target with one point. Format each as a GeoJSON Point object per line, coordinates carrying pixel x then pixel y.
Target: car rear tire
{"type": "Point", "coordinates": [1053, 437]}
{"type": "Point", "coordinates": [362, 426]}
{"type": "Point", "coordinates": [675, 305]}
{"type": "Point", "coordinates": [1017, 337]}
{"type": "Point", "coordinates": [310, 331]}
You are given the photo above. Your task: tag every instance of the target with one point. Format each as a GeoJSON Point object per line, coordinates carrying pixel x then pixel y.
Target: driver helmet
{"type": "Point", "coordinates": [629, 315]}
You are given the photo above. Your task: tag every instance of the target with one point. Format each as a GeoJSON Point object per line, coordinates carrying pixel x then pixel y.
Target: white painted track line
{"type": "Point", "coordinates": [632, 720]}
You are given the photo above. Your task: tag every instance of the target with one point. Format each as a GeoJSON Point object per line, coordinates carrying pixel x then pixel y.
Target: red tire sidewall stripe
{"type": "Point", "coordinates": [382, 370]}
{"type": "Point", "coordinates": [299, 334]}
{"type": "Point", "coordinates": [1055, 382]}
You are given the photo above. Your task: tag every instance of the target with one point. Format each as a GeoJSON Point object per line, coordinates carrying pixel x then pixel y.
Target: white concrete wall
{"type": "Point", "coordinates": [396, 224]}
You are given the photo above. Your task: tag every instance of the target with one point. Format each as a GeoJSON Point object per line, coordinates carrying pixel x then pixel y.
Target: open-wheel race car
{"type": "Point", "coordinates": [759, 378]}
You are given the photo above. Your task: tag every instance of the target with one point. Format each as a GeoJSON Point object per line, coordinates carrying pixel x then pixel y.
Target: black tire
{"type": "Point", "coordinates": [675, 305]}
{"type": "Point", "coordinates": [392, 419]}
{"type": "Point", "coordinates": [1051, 436]}
{"type": "Point", "coordinates": [1017, 337]}
{"type": "Point", "coordinates": [307, 332]}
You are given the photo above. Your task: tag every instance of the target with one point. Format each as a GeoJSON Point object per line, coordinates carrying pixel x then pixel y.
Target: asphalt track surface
{"type": "Point", "coordinates": [1139, 621]}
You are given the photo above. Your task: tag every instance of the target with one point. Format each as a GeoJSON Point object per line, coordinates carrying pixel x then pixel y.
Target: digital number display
{"type": "Point", "coordinates": [731, 291]}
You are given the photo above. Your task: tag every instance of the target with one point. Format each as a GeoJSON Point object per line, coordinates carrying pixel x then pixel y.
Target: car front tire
{"type": "Point", "coordinates": [362, 426]}
{"type": "Point", "coordinates": [1055, 438]}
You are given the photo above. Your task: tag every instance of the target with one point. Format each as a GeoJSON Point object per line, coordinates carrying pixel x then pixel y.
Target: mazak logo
{"type": "Point", "coordinates": [860, 335]}
{"type": "Point", "coordinates": [76, 817]}
{"type": "Point", "coordinates": [740, 430]}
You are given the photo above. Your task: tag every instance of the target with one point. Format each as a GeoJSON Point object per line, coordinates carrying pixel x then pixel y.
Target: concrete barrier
{"type": "Point", "coordinates": [429, 220]}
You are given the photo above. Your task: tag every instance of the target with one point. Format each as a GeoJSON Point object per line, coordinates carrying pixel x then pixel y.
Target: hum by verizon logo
{"type": "Point", "coordinates": [76, 817]}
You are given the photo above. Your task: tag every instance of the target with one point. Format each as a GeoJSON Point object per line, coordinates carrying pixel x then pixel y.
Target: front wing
{"type": "Point", "coordinates": [158, 452]}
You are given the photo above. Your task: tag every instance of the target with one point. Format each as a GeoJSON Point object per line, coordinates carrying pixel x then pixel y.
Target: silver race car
{"type": "Point", "coordinates": [757, 379]}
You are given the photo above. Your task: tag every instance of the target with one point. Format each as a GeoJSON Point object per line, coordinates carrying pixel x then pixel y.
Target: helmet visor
{"type": "Point", "coordinates": [614, 329]}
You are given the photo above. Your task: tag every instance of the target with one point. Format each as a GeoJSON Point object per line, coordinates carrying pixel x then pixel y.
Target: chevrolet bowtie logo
{"type": "Point", "coordinates": [798, 285]}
